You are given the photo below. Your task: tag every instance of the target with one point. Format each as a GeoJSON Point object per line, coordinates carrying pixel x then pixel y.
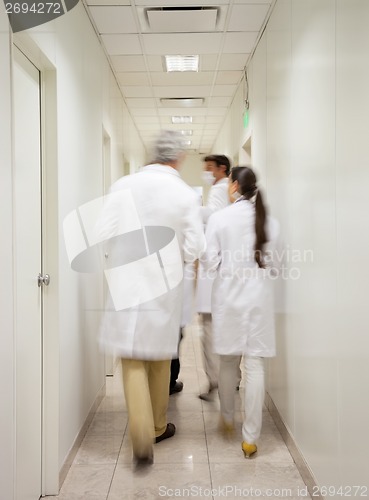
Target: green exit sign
{"type": "Point", "coordinates": [246, 118]}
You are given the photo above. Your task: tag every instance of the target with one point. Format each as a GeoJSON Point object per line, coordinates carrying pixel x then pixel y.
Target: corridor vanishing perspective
{"type": "Point", "coordinates": [196, 462]}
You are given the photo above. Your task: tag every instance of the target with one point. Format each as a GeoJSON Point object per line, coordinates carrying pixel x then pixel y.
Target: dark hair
{"type": "Point", "coordinates": [247, 181]}
{"type": "Point", "coordinates": [220, 160]}
{"type": "Point", "coordinates": [235, 173]}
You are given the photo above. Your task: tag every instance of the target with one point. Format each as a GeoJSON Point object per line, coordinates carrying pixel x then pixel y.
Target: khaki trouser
{"type": "Point", "coordinates": [146, 389]}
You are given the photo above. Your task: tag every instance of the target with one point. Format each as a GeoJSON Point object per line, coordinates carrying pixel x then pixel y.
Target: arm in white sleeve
{"type": "Point", "coordinates": [194, 239]}
{"type": "Point", "coordinates": [212, 258]}
{"type": "Point", "coordinates": [218, 199]}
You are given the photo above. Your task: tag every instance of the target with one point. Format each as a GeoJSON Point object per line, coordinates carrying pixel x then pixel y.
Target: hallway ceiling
{"type": "Point", "coordinates": [137, 34]}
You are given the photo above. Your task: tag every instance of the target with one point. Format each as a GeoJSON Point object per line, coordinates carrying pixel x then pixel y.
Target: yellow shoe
{"type": "Point", "coordinates": [226, 429]}
{"type": "Point", "coordinates": [248, 449]}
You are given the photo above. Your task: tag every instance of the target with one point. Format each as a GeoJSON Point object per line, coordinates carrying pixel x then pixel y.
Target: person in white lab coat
{"type": "Point", "coordinates": [216, 171]}
{"type": "Point", "coordinates": [241, 247]}
{"type": "Point", "coordinates": [152, 219]}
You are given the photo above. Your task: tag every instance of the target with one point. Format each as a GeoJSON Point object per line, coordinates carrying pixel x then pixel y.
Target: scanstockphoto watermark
{"type": "Point", "coordinates": [240, 264]}
{"type": "Point", "coordinates": [231, 491]}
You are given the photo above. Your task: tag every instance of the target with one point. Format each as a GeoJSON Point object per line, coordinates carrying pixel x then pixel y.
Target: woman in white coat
{"type": "Point", "coordinates": [241, 241]}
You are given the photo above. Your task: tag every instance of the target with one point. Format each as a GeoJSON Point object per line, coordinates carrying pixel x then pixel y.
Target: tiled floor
{"type": "Point", "coordinates": [196, 463]}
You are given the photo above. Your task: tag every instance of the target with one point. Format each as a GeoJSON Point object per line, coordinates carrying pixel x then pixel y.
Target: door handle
{"type": "Point", "coordinates": [43, 280]}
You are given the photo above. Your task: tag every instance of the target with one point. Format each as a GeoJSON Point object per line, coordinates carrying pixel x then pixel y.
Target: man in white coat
{"type": "Point", "coordinates": [153, 223]}
{"type": "Point", "coordinates": [216, 172]}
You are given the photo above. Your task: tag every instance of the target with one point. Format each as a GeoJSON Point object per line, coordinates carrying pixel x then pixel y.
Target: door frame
{"type": "Point", "coordinates": [50, 257]}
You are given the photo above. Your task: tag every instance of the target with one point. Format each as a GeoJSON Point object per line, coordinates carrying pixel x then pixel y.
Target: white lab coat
{"type": "Point", "coordinates": [150, 330]}
{"type": "Point", "coordinates": [242, 295]}
{"type": "Point", "coordinates": [218, 198]}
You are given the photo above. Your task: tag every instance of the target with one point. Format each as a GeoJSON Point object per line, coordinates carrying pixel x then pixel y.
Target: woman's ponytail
{"type": "Point", "coordinates": [260, 232]}
{"type": "Point", "coordinates": [250, 191]}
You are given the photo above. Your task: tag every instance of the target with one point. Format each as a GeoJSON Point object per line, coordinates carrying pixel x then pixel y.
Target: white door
{"type": "Point", "coordinates": [28, 258]}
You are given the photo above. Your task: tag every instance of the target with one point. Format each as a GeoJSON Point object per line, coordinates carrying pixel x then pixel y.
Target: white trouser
{"type": "Point", "coordinates": [211, 360]}
{"type": "Point", "coordinates": [254, 393]}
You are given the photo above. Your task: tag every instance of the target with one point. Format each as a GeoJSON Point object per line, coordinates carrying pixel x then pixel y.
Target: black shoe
{"type": "Point", "coordinates": [177, 387]}
{"type": "Point", "coordinates": [143, 461]}
{"type": "Point", "coordinates": [168, 433]}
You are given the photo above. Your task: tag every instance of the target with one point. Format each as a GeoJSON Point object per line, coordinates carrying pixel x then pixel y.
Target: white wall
{"type": "Point", "coordinates": [308, 119]}
{"type": "Point", "coordinates": [88, 101]}
{"type": "Point", "coordinates": [6, 264]}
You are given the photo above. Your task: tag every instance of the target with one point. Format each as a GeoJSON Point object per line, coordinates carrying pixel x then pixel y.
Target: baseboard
{"type": "Point", "coordinates": [77, 443]}
{"type": "Point", "coordinates": [302, 466]}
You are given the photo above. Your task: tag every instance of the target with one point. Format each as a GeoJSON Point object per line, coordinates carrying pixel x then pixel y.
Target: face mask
{"type": "Point", "coordinates": [208, 177]}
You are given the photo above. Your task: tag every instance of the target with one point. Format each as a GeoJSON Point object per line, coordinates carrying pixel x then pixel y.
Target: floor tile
{"type": "Point", "coordinates": [159, 481]}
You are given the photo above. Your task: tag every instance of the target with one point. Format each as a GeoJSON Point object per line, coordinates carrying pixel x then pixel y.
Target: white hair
{"type": "Point", "coordinates": [168, 147]}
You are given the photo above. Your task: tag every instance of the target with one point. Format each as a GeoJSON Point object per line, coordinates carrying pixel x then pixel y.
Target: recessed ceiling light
{"type": "Point", "coordinates": [187, 143]}
{"type": "Point", "coordinates": [186, 132]}
{"type": "Point", "coordinates": [181, 63]}
{"type": "Point", "coordinates": [181, 119]}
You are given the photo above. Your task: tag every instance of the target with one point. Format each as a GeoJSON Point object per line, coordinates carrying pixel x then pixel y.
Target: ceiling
{"type": "Point", "coordinates": [137, 34]}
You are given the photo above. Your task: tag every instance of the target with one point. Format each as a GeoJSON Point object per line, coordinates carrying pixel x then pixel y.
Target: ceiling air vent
{"type": "Point", "coordinates": [182, 19]}
{"type": "Point", "coordinates": [182, 102]}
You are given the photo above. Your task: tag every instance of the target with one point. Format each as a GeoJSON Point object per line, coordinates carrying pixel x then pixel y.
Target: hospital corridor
{"type": "Point", "coordinates": [185, 234]}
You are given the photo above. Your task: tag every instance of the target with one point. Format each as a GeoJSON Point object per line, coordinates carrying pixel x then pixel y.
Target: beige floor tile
{"type": "Point", "coordinates": [159, 481]}
{"type": "Point", "coordinates": [108, 423]}
{"type": "Point", "coordinates": [87, 482]}
{"type": "Point", "coordinates": [253, 477]}
{"type": "Point", "coordinates": [99, 449]}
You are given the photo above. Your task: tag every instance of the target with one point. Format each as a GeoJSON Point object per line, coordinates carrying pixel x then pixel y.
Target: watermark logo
{"type": "Point", "coordinates": [140, 263]}
{"type": "Point", "coordinates": [24, 15]}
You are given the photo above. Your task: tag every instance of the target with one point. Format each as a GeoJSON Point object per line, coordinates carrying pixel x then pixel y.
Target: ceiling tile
{"type": "Point", "coordinates": [213, 119]}
{"type": "Point", "coordinates": [185, 78]}
{"type": "Point", "coordinates": [182, 43]}
{"type": "Point", "coordinates": [182, 111]}
{"type": "Point", "coordinates": [122, 44]}
{"type": "Point", "coordinates": [136, 91]}
{"type": "Point", "coordinates": [228, 77]}
{"type": "Point", "coordinates": [208, 62]}
{"type": "Point", "coordinates": [178, 91]}
{"type": "Point", "coordinates": [224, 90]}
{"type": "Point", "coordinates": [247, 17]}
{"type": "Point", "coordinates": [108, 2]}
{"type": "Point", "coordinates": [237, 43]}
{"type": "Point", "coordinates": [231, 62]}
{"type": "Point", "coordinates": [140, 103]}
{"type": "Point", "coordinates": [169, 3]}
{"type": "Point", "coordinates": [133, 79]}
{"type": "Point", "coordinates": [142, 120]}
{"type": "Point", "coordinates": [128, 63]}
{"type": "Point", "coordinates": [113, 19]}
{"type": "Point", "coordinates": [253, 1]}
{"type": "Point", "coordinates": [155, 63]}
{"type": "Point", "coordinates": [217, 111]}
{"type": "Point", "coordinates": [220, 101]}
{"type": "Point", "coordinates": [144, 112]}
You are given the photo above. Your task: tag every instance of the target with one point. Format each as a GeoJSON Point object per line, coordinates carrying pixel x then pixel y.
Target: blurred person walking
{"type": "Point", "coordinates": [241, 246]}
{"type": "Point", "coordinates": [216, 172]}
{"type": "Point", "coordinates": [153, 223]}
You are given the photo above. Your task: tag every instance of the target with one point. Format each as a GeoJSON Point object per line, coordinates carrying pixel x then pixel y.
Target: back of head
{"type": "Point", "coordinates": [247, 182]}
{"type": "Point", "coordinates": [220, 160]}
{"type": "Point", "coordinates": [235, 173]}
{"type": "Point", "coordinates": [168, 147]}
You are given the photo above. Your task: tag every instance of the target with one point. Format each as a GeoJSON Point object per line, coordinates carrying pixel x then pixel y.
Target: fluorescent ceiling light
{"type": "Point", "coordinates": [181, 63]}
{"type": "Point", "coordinates": [181, 102]}
{"type": "Point", "coordinates": [181, 119]}
{"type": "Point", "coordinates": [187, 143]}
{"type": "Point", "coordinates": [186, 132]}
